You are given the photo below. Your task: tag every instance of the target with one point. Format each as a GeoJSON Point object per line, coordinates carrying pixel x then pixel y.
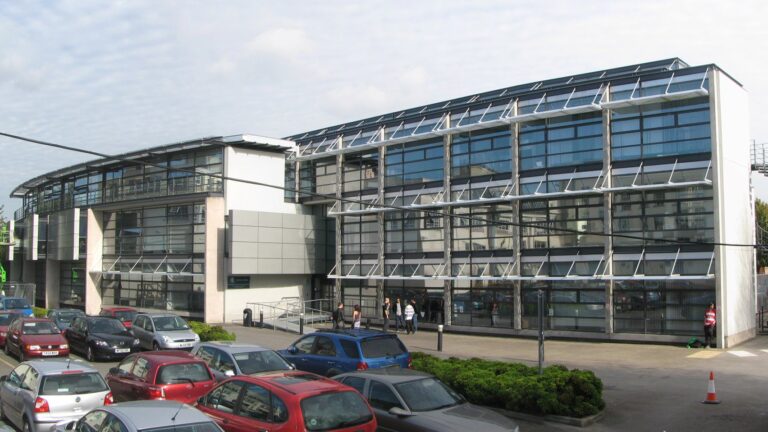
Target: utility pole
{"type": "Point", "coordinates": [541, 329]}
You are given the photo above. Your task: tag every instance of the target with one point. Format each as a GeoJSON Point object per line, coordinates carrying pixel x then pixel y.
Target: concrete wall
{"type": "Point", "coordinates": [93, 262]}
{"type": "Point", "coordinates": [264, 288]}
{"type": "Point", "coordinates": [734, 219]}
{"type": "Point", "coordinates": [260, 166]}
{"type": "Point", "coordinates": [215, 272]}
{"type": "Point", "coordinates": [63, 232]}
{"type": "Point", "coordinates": [52, 281]}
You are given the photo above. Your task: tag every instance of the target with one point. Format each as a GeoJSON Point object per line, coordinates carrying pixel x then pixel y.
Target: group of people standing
{"type": "Point", "coordinates": [405, 317]}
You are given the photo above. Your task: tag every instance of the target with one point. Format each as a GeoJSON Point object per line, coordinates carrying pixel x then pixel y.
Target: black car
{"type": "Point", "coordinates": [98, 337]}
{"type": "Point", "coordinates": [63, 317]}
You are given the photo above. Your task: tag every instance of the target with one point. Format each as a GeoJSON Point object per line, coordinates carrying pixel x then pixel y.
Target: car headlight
{"type": "Point", "coordinates": [167, 339]}
{"type": "Point", "coordinates": [3, 334]}
{"type": "Point", "coordinates": [99, 342]}
{"type": "Point", "coordinates": [63, 346]}
{"type": "Point", "coordinates": [197, 337]}
{"type": "Point", "coordinates": [33, 347]}
{"type": "Point", "coordinates": [136, 341]}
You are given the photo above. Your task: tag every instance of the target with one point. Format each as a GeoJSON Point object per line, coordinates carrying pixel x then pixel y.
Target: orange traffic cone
{"type": "Point", "coordinates": [711, 396]}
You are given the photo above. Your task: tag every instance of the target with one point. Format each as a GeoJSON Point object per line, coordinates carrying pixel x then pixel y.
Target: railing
{"type": "Point", "coordinates": [285, 314]}
{"type": "Point", "coordinates": [762, 319]}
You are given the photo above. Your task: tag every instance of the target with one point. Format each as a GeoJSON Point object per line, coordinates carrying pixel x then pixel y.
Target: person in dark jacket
{"type": "Point", "coordinates": [338, 317]}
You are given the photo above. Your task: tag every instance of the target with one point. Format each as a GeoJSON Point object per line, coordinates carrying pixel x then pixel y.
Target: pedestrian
{"type": "Point", "coordinates": [398, 316]}
{"type": "Point", "coordinates": [338, 317]}
{"type": "Point", "coordinates": [409, 314]}
{"type": "Point", "coordinates": [385, 314]}
{"type": "Point", "coordinates": [494, 313]}
{"type": "Point", "coordinates": [357, 316]}
{"type": "Point", "coordinates": [415, 316]}
{"type": "Point", "coordinates": [710, 325]}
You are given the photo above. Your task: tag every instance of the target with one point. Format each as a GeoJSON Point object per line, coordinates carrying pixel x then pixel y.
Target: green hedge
{"type": "Point", "coordinates": [39, 312]}
{"type": "Point", "coordinates": [516, 387]}
{"type": "Point", "coordinates": [211, 333]}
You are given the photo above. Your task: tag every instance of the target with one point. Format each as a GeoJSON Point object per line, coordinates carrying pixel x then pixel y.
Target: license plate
{"type": "Point", "coordinates": [185, 344]}
{"type": "Point", "coordinates": [50, 353]}
{"type": "Point", "coordinates": [122, 350]}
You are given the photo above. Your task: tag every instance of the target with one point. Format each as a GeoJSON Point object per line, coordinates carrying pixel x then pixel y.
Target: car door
{"type": "Point", "coordinates": [323, 357]}
{"type": "Point", "coordinates": [28, 391]}
{"type": "Point", "coordinates": [300, 353]}
{"type": "Point", "coordinates": [141, 333]}
{"type": "Point", "coordinates": [383, 398]}
{"type": "Point", "coordinates": [119, 379]}
{"type": "Point", "coordinates": [137, 384]}
{"type": "Point", "coordinates": [221, 404]}
{"type": "Point", "coordinates": [9, 394]}
{"type": "Point", "coordinates": [75, 334]}
{"type": "Point", "coordinates": [14, 336]}
{"type": "Point", "coordinates": [261, 410]}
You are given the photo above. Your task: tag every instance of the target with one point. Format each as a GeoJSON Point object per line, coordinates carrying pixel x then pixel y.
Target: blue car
{"type": "Point", "coordinates": [16, 303]}
{"type": "Point", "coordinates": [331, 352]}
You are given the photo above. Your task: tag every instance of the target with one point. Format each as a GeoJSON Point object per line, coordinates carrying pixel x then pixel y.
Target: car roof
{"type": "Point", "coordinates": [149, 414]}
{"type": "Point", "coordinates": [353, 333]}
{"type": "Point", "coordinates": [66, 310]}
{"type": "Point", "coordinates": [118, 308]}
{"type": "Point", "coordinates": [157, 314]}
{"type": "Point", "coordinates": [392, 375]}
{"type": "Point", "coordinates": [295, 382]}
{"type": "Point", "coordinates": [14, 298]}
{"type": "Point", "coordinates": [99, 317]}
{"type": "Point", "coordinates": [234, 347]}
{"type": "Point", "coordinates": [168, 356]}
{"type": "Point", "coordinates": [35, 319]}
{"type": "Point", "coordinates": [58, 366]}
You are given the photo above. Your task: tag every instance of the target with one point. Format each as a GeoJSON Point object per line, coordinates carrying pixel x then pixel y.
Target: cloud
{"type": "Point", "coordinates": [287, 43]}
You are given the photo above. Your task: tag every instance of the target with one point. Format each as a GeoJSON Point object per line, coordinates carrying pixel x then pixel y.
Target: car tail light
{"type": "Point", "coordinates": [156, 393]}
{"type": "Point", "coordinates": [362, 366]}
{"type": "Point", "coordinates": [41, 406]}
{"type": "Point", "coordinates": [410, 362]}
{"type": "Point", "coordinates": [108, 399]}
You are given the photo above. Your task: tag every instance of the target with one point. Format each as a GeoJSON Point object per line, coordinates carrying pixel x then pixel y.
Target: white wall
{"type": "Point", "coordinates": [734, 221]}
{"type": "Point", "coordinates": [264, 288]}
{"type": "Point", "coordinates": [260, 166]}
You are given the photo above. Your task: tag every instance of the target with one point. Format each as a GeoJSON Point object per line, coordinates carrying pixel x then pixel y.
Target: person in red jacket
{"type": "Point", "coordinates": [710, 321]}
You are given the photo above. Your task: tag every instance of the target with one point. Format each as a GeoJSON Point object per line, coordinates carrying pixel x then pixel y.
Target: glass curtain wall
{"type": "Point", "coordinates": [72, 284]}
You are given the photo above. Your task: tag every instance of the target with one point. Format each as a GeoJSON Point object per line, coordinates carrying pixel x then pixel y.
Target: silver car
{"type": "Point", "coordinates": [405, 400]}
{"type": "Point", "coordinates": [163, 331]}
{"type": "Point", "coordinates": [140, 416]}
{"type": "Point", "coordinates": [39, 393]}
{"type": "Point", "coordinates": [228, 359]}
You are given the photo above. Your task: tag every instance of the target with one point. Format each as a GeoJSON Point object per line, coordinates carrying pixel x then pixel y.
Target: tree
{"type": "Point", "coordinates": [761, 228]}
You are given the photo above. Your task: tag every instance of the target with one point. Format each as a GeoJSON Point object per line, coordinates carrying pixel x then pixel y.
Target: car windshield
{"type": "Point", "coordinates": [260, 361]}
{"type": "Point", "coordinates": [108, 326]}
{"type": "Point", "coordinates": [334, 410]}
{"type": "Point", "coordinates": [386, 346]}
{"type": "Point", "coordinates": [72, 384]}
{"type": "Point", "coordinates": [192, 427]}
{"type": "Point", "coordinates": [40, 328]}
{"type": "Point", "coordinates": [68, 316]}
{"type": "Point", "coordinates": [125, 315]}
{"type": "Point", "coordinates": [16, 303]}
{"type": "Point", "coordinates": [428, 394]}
{"type": "Point", "coordinates": [170, 323]}
{"type": "Point", "coordinates": [7, 317]}
{"type": "Point", "coordinates": [183, 373]}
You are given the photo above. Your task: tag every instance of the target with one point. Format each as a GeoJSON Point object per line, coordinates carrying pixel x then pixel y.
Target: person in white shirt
{"type": "Point", "coordinates": [409, 311]}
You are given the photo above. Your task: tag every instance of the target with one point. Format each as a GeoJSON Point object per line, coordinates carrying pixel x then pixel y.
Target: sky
{"type": "Point", "coordinates": [118, 76]}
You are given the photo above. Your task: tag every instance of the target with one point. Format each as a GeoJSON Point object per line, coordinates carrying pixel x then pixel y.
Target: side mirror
{"type": "Point", "coordinates": [400, 412]}
{"type": "Point", "coordinates": [293, 350]}
{"type": "Point", "coordinates": [114, 371]}
{"type": "Point", "coordinates": [229, 373]}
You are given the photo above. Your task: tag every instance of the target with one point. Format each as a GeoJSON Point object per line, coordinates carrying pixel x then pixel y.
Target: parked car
{"type": "Point", "coordinates": [287, 401]}
{"type": "Point", "coordinates": [6, 318]}
{"type": "Point", "coordinates": [226, 359]}
{"type": "Point", "coordinates": [35, 337]}
{"type": "Point", "coordinates": [170, 375]}
{"type": "Point", "coordinates": [405, 400]}
{"type": "Point", "coordinates": [39, 393]}
{"type": "Point", "coordinates": [164, 331]}
{"type": "Point", "coordinates": [17, 303]}
{"type": "Point", "coordinates": [123, 313]}
{"type": "Point", "coordinates": [331, 352]}
{"type": "Point", "coordinates": [100, 338]}
{"type": "Point", "coordinates": [63, 317]}
{"type": "Point", "coordinates": [142, 416]}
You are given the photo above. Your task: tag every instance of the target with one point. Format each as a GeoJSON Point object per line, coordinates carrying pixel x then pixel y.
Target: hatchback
{"type": "Point", "coordinates": [35, 337]}
{"type": "Point", "coordinates": [98, 337]}
{"type": "Point", "coordinates": [170, 375]}
{"type": "Point", "coordinates": [331, 352]}
{"type": "Point", "coordinates": [123, 313]}
{"type": "Point", "coordinates": [19, 303]}
{"type": "Point", "coordinates": [287, 401]}
{"type": "Point", "coordinates": [142, 416]}
{"type": "Point", "coordinates": [228, 359]}
{"type": "Point", "coordinates": [63, 317]}
{"type": "Point", "coordinates": [39, 393]}
{"type": "Point", "coordinates": [6, 318]}
{"type": "Point", "coordinates": [163, 331]}
{"type": "Point", "coordinates": [405, 400]}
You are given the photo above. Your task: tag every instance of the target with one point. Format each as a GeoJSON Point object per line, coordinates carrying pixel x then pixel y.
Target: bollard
{"type": "Point", "coordinates": [261, 319]}
{"type": "Point", "coordinates": [301, 324]}
{"type": "Point", "coordinates": [440, 337]}
{"type": "Point", "coordinates": [368, 323]}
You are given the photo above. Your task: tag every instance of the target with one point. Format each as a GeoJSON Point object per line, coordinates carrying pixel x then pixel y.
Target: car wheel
{"type": "Point", "coordinates": [7, 350]}
{"type": "Point", "coordinates": [21, 355]}
{"type": "Point", "coordinates": [89, 355]}
{"type": "Point", "coordinates": [155, 346]}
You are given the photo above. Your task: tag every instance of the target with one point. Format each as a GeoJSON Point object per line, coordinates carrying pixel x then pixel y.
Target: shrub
{"type": "Point", "coordinates": [211, 333]}
{"type": "Point", "coordinates": [39, 312]}
{"type": "Point", "coordinates": [517, 387]}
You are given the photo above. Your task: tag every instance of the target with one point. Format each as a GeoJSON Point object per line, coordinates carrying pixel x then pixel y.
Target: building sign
{"type": "Point", "coordinates": [239, 282]}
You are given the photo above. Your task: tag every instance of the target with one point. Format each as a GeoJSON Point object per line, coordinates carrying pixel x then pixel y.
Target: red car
{"type": "Point", "coordinates": [287, 401]}
{"type": "Point", "coordinates": [172, 375]}
{"type": "Point", "coordinates": [6, 318]}
{"type": "Point", "coordinates": [124, 314]}
{"type": "Point", "coordinates": [35, 337]}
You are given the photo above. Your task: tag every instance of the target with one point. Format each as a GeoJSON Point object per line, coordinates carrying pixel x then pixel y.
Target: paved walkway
{"type": "Point", "coordinates": [647, 387]}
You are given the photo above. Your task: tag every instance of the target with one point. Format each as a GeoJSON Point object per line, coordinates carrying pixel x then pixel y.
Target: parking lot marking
{"type": "Point", "coordinates": [705, 354]}
{"type": "Point", "coordinates": [742, 353]}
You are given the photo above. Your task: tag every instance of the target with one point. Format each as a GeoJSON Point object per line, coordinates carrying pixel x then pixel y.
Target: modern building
{"type": "Point", "coordinates": [622, 196]}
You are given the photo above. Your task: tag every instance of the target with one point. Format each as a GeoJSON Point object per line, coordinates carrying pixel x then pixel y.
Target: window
{"type": "Point", "coordinates": [561, 141]}
{"type": "Point", "coordinates": [383, 346]}
{"type": "Point", "coordinates": [255, 403]}
{"type": "Point", "coordinates": [30, 379]}
{"type": "Point", "coordinates": [224, 398]}
{"type": "Point", "coordinates": [382, 397]}
{"type": "Point", "coordinates": [91, 422]}
{"type": "Point", "coordinates": [414, 163]}
{"type": "Point", "coordinates": [127, 364]}
{"type": "Point", "coordinates": [141, 368]}
{"type": "Point", "coordinates": [334, 410]}
{"type": "Point", "coordinates": [325, 347]}
{"type": "Point", "coordinates": [481, 153]}
{"type": "Point", "coordinates": [17, 374]}
{"type": "Point", "coordinates": [183, 372]}
{"type": "Point", "coordinates": [304, 346]}
{"type": "Point", "coordinates": [356, 383]}
{"type": "Point", "coordinates": [72, 384]}
{"type": "Point", "coordinates": [113, 424]}
{"type": "Point", "coordinates": [350, 348]}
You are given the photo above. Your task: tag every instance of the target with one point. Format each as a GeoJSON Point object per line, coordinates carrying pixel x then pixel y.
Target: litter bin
{"type": "Point", "coordinates": [247, 317]}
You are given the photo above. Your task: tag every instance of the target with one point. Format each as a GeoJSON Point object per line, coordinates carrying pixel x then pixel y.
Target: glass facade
{"type": "Point", "coordinates": [72, 284]}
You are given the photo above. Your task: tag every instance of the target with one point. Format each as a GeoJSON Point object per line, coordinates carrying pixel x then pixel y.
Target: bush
{"type": "Point", "coordinates": [39, 312]}
{"type": "Point", "coordinates": [211, 333]}
{"type": "Point", "coordinates": [516, 387]}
